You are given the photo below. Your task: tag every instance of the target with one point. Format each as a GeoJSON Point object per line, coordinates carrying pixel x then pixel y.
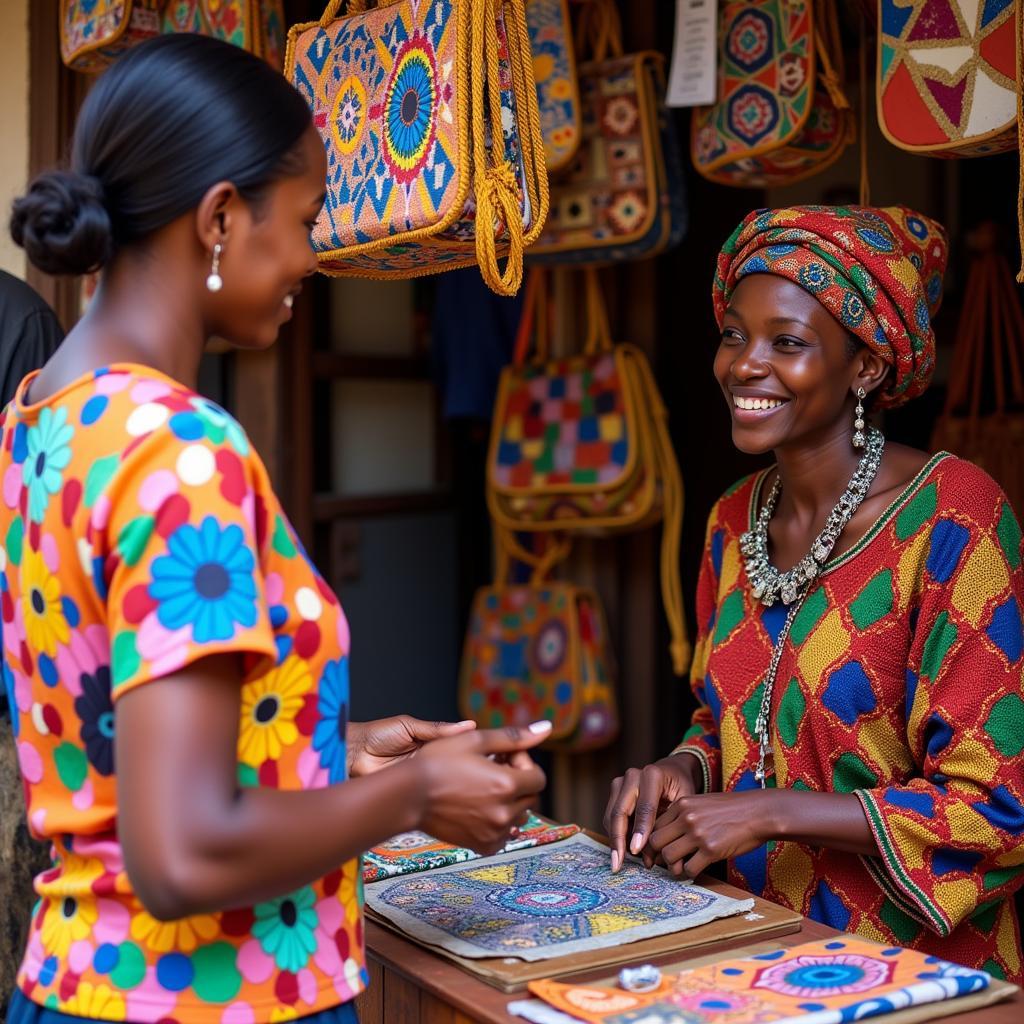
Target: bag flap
{"type": "Point", "coordinates": [766, 70]}
{"type": "Point", "coordinates": [567, 426]}
{"type": "Point", "coordinates": [87, 27]}
{"type": "Point", "coordinates": [521, 658]}
{"type": "Point", "coordinates": [390, 98]}
{"type": "Point", "coordinates": [554, 67]}
{"type": "Point", "coordinates": [611, 193]}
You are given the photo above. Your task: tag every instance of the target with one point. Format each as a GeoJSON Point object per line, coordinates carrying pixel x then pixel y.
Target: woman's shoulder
{"type": "Point", "coordinates": [962, 488]}
{"type": "Point", "coordinates": [732, 511]}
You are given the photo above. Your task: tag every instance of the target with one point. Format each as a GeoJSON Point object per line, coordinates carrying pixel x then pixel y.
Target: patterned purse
{"type": "Point", "coordinates": [254, 25]}
{"type": "Point", "coordinates": [554, 67]}
{"type": "Point", "coordinates": [781, 114]}
{"type": "Point", "coordinates": [92, 34]}
{"type": "Point", "coordinates": [540, 651]}
{"type": "Point", "coordinates": [428, 112]}
{"type": "Point", "coordinates": [947, 76]}
{"type": "Point", "coordinates": [623, 196]}
{"type": "Point", "coordinates": [581, 445]}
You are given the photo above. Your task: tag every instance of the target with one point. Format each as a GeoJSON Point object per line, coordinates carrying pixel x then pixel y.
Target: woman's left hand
{"type": "Point", "coordinates": [375, 745]}
{"type": "Point", "coordinates": [696, 831]}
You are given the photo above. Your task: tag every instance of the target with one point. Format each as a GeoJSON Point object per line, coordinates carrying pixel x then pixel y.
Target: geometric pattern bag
{"type": "Point", "coordinates": [254, 25]}
{"type": "Point", "coordinates": [94, 32]}
{"type": "Point", "coordinates": [622, 197]}
{"type": "Point", "coordinates": [580, 444]}
{"type": "Point", "coordinates": [947, 76]}
{"type": "Point", "coordinates": [428, 113]}
{"type": "Point", "coordinates": [554, 66]}
{"type": "Point", "coordinates": [537, 651]}
{"type": "Point", "coordinates": [780, 113]}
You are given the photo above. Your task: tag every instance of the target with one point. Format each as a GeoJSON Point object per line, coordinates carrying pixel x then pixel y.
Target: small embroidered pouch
{"type": "Point", "coordinates": [92, 34]}
{"type": "Point", "coordinates": [254, 25]}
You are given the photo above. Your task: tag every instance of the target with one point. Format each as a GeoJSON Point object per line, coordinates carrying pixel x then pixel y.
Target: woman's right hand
{"type": "Point", "coordinates": [641, 794]}
{"type": "Point", "coordinates": [478, 785]}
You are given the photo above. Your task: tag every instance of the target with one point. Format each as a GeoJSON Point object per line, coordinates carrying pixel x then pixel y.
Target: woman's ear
{"type": "Point", "coordinates": [871, 370]}
{"type": "Point", "coordinates": [215, 214]}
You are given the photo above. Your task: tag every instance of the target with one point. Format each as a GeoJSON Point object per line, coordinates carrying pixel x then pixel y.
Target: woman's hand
{"type": "Point", "coordinates": [478, 785]}
{"type": "Point", "coordinates": [375, 745]}
{"type": "Point", "coordinates": [641, 794]}
{"type": "Point", "coordinates": [696, 831]}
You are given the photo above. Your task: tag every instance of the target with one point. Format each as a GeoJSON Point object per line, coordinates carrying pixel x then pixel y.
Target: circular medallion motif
{"type": "Point", "coordinates": [749, 42]}
{"type": "Point", "coordinates": [409, 110]}
{"type": "Point", "coordinates": [534, 900]}
{"type": "Point", "coordinates": [550, 647]}
{"type": "Point", "coordinates": [753, 113]}
{"type": "Point", "coordinates": [808, 977]}
{"type": "Point", "coordinates": [853, 310]}
{"type": "Point", "coordinates": [879, 240]}
{"type": "Point", "coordinates": [348, 118]}
{"type": "Point", "coordinates": [815, 277]}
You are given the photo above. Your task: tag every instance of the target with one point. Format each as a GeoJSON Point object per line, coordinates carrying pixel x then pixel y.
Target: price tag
{"type": "Point", "coordinates": [693, 79]}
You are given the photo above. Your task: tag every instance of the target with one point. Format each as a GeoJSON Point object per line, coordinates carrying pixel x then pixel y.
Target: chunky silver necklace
{"type": "Point", "coordinates": [769, 585]}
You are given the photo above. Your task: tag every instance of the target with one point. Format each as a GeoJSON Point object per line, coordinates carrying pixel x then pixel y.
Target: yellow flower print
{"type": "Point", "coordinates": [180, 936]}
{"type": "Point", "coordinates": [75, 879]}
{"type": "Point", "coordinates": [279, 1013]}
{"type": "Point", "coordinates": [98, 1002]}
{"type": "Point", "coordinates": [67, 920]}
{"type": "Point", "coordinates": [269, 707]}
{"type": "Point", "coordinates": [45, 624]}
{"type": "Point", "coordinates": [561, 89]}
{"type": "Point", "coordinates": [348, 893]}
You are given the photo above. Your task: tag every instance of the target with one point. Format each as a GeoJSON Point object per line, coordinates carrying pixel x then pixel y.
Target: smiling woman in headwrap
{"type": "Point", "coordinates": [855, 754]}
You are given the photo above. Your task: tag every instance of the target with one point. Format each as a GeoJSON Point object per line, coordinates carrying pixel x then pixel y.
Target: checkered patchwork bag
{"type": "Point", "coordinates": [428, 113]}
{"type": "Point", "coordinates": [94, 32]}
{"type": "Point", "coordinates": [254, 25]}
{"type": "Point", "coordinates": [581, 445]}
{"type": "Point", "coordinates": [780, 113]}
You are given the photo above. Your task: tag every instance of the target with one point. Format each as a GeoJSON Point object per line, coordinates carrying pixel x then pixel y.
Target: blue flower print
{"type": "Point", "coordinates": [205, 581]}
{"type": "Point", "coordinates": [329, 735]}
{"type": "Point", "coordinates": [48, 456]}
{"type": "Point", "coordinates": [286, 929]}
{"type": "Point", "coordinates": [96, 710]}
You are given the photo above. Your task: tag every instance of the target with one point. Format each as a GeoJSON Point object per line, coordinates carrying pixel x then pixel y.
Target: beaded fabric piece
{"type": "Point", "coordinates": [254, 25]}
{"type": "Point", "coordinates": [541, 904]}
{"type": "Point", "coordinates": [411, 852]}
{"type": "Point", "coordinates": [947, 76]}
{"type": "Point", "coordinates": [825, 982]}
{"type": "Point", "coordinates": [94, 32]}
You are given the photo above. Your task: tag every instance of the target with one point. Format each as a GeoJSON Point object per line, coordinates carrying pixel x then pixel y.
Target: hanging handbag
{"type": "Point", "coordinates": [539, 650]}
{"type": "Point", "coordinates": [622, 197]}
{"type": "Point", "coordinates": [780, 114]}
{"type": "Point", "coordinates": [947, 76]}
{"type": "Point", "coordinates": [581, 444]}
{"type": "Point", "coordinates": [428, 112]}
{"type": "Point", "coordinates": [989, 347]}
{"type": "Point", "coordinates": [554, 68]}
{"type": "Point", "coordinates": [254, 25]}
{"type": "Point", "coordinates": [93, 34]}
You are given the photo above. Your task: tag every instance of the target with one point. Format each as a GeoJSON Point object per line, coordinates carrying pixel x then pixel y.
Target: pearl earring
{"type": "Point", "coordinates": [859, 438]}
{"type": "Point", "coordinates": [215, 282]}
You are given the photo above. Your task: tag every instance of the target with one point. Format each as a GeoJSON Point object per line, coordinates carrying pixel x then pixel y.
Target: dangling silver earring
{"type": "Point", "coordinates": [215, 282]}
{"type": "Point", "coordinates": [859, 438]}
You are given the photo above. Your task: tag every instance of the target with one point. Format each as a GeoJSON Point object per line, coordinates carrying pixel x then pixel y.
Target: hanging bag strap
{"type": "Point", "coordinates": [555, 548]}
{"type": "Point", "coordinates": [599, 31]}
{"type": "Point", "coordinates": [535, 323]}
{"type": "Point", "coordinates": [829, 48]}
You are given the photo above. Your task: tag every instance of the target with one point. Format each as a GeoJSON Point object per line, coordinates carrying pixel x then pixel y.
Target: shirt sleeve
{"type": "Point", "coordinates": [951, 839]}
{"type": "Point", "coordinates": [701, 739]}
{"type": "Point", "coordinates": [178, 556]}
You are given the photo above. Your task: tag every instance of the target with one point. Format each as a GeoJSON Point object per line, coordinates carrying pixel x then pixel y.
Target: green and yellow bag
{"type": "Point", "coordinates": [780, 114]}
{"type": "Point", "coordinates": [581, 444]}
{"type": "Point", "coordinates": [428, 112]}
{"type": "Point", "coordinates": [254, 25]}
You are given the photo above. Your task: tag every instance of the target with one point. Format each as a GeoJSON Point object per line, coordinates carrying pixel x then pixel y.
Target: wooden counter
{"type": "Point", "coordinates": [409, 985]}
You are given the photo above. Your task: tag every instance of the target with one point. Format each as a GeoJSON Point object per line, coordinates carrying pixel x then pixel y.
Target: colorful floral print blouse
{"type": "Point", "coordinates": [140, 533]}
{"type": "Point", "coordinates": [903, 682]}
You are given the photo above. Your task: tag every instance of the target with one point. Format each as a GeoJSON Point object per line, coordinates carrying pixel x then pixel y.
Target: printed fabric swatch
{"type": "Point", "coordinates": [540, 904]}
{"type": "Point", "coordinates": [825, 982]}
{"type": "Point", "coordinates": [416, 851]}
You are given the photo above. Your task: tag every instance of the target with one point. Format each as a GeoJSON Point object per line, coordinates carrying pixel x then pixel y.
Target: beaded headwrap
{"type": "Point", "coordinates": [878, 271]}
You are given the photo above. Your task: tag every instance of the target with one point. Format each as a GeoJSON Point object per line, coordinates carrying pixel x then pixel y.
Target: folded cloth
{"type": "Point", "coordinates": [417, 851]}
{"type": "Point", "coordinates": [825, 982]}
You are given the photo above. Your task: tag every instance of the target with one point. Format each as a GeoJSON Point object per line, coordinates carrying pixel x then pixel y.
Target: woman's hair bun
{"type": "Point", "coordinates": [62, 223]}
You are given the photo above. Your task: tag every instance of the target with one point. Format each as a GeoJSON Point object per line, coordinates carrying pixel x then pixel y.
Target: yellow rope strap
{"type": "Point", "coordinates": [830, 54]}
{"type": "Point", "coordinates": [506, 547]}
{"type": "Point", "coordinates": [865, 183]}
{"type": "Point", "coordinates": [497, 197]}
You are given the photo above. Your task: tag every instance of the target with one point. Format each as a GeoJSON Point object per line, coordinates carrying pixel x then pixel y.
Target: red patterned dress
{"type": "Point", "coordinates": [901, 682]}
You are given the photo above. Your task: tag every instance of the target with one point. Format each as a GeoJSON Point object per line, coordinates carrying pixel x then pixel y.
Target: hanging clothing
{"type": "Point", "coordinates": [141, 534]}
{"type": "Point", "coordinates": [901, 682]}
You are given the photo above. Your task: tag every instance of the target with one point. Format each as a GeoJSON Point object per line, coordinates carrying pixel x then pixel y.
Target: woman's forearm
{"type": "Point", "coordinates": [833, 820]}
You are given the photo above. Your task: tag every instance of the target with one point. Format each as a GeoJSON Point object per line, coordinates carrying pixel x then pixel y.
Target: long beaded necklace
{"type": "Point", "coordinates": [769, 585]}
